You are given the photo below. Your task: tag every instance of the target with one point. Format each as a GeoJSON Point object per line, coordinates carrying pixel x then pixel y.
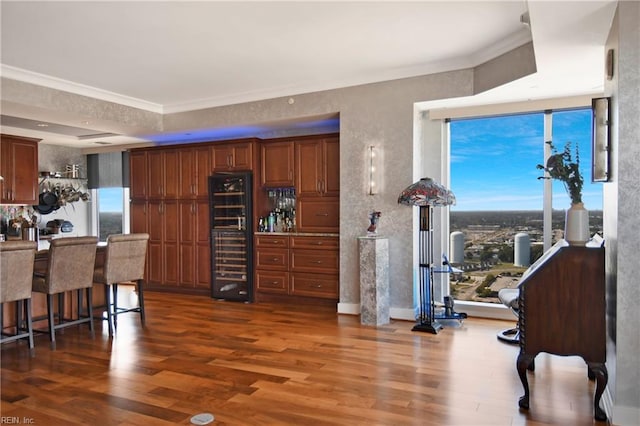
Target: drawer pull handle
{"type": "Point", "coordinates": [316, 285]}
{"type": "Point", "coordinates": [318, 243]}
{"type": "Point", "coordinates": [274, 259]}
{"type": "Point", "coordinates": [317, 262]}
{"type": "Point", "coordinates": [322, 214]}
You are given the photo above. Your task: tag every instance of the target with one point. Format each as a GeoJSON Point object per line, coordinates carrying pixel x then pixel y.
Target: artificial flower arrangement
{"type": "Point", "coordinates": [561, 166]}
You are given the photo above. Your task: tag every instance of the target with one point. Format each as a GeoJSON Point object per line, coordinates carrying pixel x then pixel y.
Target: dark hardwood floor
{"type": "Point", "coordinates": [259, 364]}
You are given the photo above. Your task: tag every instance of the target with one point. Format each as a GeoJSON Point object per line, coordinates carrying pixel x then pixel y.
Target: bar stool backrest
{"type": "Point", "coordinates": [16, 269]}
{"type": "Point", "coordinates": [71, 264]}
{"type": "Point", "coordinates": [125, 257]}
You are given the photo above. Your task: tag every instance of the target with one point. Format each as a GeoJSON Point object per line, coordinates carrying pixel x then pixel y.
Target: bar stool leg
{"type": "Point", "coordinates": [52, 332]}
{"type": "Point", "coordinates": [89, 309]}
{"type": "Point", "coordinates": [30, 326]}
{"type": "Point", "coordinates": [115, 305]}
{"type": "Point", "coordinates": [108, 302]}
{"type": "Point", "coordinates": [141, 302]}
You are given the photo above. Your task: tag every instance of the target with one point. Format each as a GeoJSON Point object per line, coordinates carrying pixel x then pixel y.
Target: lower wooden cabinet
{"type": "Point", "coordinates": [297, 265]}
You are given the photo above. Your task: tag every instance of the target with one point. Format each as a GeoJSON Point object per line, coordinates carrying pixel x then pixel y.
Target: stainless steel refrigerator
{"type": "Point", "coordinates": [231, 236]}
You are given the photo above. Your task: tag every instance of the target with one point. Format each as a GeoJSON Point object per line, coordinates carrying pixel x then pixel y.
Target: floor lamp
{"type": "Point", "coordinates": [426, 194]}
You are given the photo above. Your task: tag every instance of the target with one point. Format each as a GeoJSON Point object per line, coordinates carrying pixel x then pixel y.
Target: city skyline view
{"type": "Point", "coordinates": [494, 159]}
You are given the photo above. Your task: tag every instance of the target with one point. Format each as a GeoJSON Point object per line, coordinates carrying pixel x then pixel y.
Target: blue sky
{"type": "Point", "coordinates": [493, 161]}
{"type": "Point", "coordinates": [110, 199]}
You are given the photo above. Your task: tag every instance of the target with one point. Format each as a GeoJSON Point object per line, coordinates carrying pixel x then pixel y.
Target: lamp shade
{"type": "Point", "coordinates": [426, 192]}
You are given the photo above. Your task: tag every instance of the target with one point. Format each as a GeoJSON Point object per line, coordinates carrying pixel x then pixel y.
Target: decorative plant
{"type": "Point", "coordinates": [561, 166]}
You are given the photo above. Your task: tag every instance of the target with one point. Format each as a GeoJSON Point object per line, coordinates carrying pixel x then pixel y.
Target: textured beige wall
{"type": "Point", "coordinates": [621, 220]}
{"type": "Point", "coordinates": [381, 114]}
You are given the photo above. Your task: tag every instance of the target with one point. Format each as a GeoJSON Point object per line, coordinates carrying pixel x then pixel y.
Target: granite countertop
{"type": "Point", "coordinates": [300, 234]}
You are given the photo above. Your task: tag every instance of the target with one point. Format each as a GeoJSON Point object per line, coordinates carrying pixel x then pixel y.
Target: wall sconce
{"type": "Point", "coordinates": [373, 161]}
{"type": "Point", "coordinates": [600, 140]}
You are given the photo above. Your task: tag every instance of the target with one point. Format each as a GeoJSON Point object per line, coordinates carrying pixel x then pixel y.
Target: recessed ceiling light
{"type": "Point", "coordinates": [42, 125]}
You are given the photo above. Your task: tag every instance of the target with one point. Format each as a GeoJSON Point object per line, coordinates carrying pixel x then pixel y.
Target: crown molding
{"type": "Point", "coordinates": [31, 77]}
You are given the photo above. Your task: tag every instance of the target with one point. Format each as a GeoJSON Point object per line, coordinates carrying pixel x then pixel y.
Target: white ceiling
{"type": "Point", "coordinates": [179, 56]}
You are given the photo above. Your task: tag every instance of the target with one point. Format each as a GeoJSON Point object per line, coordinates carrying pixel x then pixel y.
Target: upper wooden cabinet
{"type": "Point", "coordinates": [19, 170]}
{"type": "Point", "coordinates": [138, 174]}
{"type": "Point", "coordinates": [235, 156]}
{"type": "Point", "coordinates": [276, 164]}
{"type": "Point", "coordinates": [162, 173]}
{"type": "Point", "coordinates": [317, 167]}
{"type": "Point", "coordinates": [194, 173]}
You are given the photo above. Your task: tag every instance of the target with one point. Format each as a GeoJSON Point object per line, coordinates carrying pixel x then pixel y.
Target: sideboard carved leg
{"type": "Point", "coordinates": [522, 364]}
{"type": "Point", "coordinates": [602, 377]}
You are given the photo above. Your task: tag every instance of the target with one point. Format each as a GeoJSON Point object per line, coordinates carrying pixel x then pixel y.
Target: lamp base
{"type": "Point", "coordinates": [433, 327]}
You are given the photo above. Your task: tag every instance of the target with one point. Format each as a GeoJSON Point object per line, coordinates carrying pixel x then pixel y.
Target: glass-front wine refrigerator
{"type": "Point", "coordinates": [231, 236]}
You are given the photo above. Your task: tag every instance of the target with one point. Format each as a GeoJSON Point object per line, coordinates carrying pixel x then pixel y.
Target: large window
{"type": "Point", "coordinates": [498, 221]}
{"type": "Point", "coordinates": [110, 212]}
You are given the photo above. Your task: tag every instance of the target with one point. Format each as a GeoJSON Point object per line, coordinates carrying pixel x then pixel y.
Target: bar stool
{"type": "Point", "coordinates": [123, 262]}
{"type": "Point", "coordinates": [70, 265]}
{"type": "Point", "coordinates": [16, 271]}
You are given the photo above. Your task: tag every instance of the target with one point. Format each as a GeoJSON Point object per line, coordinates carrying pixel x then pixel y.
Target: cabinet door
{"type": "Point", "coordinates": [170, 242]}
{"type": "Point", "coordinates": [163, 174]}
{"type": "Point", "coordinates": [331, 172]}
{"type": "Point", "coordinates": [138, 174]}
{"type": "Point", "coordinates": [318, 215]}
{"type": "Point", "coordinates": [19, 170]}
{"type": "Point", "coordinates": [277, 164]}
{"type": "Point", "coordinates": [193, 174]}
{"type": "Point", "coordinates": [308, 168]}
{"type": "Point", "coordinates": [314, 285]}
{"type": "Point", "coordinates": [156, 257]}
{"type": "Point", "coordinates": [221, 158]}
{"type": "Point", "coordinates": [202, 168]}
{"type": "Point", "coordinates": [171, 179]}
{"type": "Point", "coordinates": [203, 246]}
{"type": "Point", "coordinates": [138, 217]}
{"type": "Point", "coordinates": [187, 243]}
{"type": "Point", "coordinates": [186, 187]}
{"type": "Point", "coordinates": [242, 156]}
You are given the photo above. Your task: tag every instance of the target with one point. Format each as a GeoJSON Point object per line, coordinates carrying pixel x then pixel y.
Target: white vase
{"type": "Point", "coordinates": [576, 225]}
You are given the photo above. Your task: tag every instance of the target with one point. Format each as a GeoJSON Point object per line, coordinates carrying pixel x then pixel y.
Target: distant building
{"type": "Point", "coordinates": [456, 255]}
{"type": "Point", "coordinates": [522, 250]}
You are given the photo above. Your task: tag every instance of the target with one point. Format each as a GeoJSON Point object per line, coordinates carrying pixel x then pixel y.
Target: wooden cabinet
{"type": "Point", "coordinates": [138, 175]}
{"type": "Point", "coordinates": [317, 167]}
{"type": "Point", "coordinates": [194, 172]}
{"type": "Point", "coordinates": [163, 243]}
{"type": "Point", "coordinates": [194, 247]}
{"type": "Point", "coordinates": [297, 265]}
{"type": "Point", "coordinates": [169, 200]}
{"type": "Point", "coordinates": [163, 174]}
{"type": "Point", "coordinates": [276, 164]}
{"type": "Point", "coordinates": [317, 173]}
{"type": "Point", "coordinates": [315, 266]}
{"type": "Point", "coordinates": [318, 215]}
{"type": "Point", "coordinates": [562, 311]}
{"type": "Point", "coordinates": [236, 156]}
{"type": "Point", "coordinates": [19, 170]}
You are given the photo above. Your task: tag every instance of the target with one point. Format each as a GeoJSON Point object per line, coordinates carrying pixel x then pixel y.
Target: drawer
{"type": "Point", "coordinates": [325, 286]}
{"type": "Point", "coordinates": [318, 215]}
{"type": "Point", "coordinates": [273, 259]}
{"type": "Point", "coordinates": [272, 281]}
{"type": "Point", "coordinates": [275, 241]}
{"type": "Point", "coordinates": [315, 243]}
{"type": "Point", "coordinates": [318, 261]}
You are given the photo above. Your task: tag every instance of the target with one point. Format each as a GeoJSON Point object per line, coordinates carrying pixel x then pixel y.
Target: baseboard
{"type": "Point", "coordinates": [402, 314]}
{"type": "Point", "coordinates": [472, 309]}
{"type": "Point", "coordinates": [606, 403]}
{"type": "Point", "coordinates": [349, 308]}
{"type": "Point", "coordinates": [625, 416]}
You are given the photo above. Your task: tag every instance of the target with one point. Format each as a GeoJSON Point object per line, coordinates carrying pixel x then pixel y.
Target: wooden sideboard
{"type": "Point", "coordinates": [562, 312]}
